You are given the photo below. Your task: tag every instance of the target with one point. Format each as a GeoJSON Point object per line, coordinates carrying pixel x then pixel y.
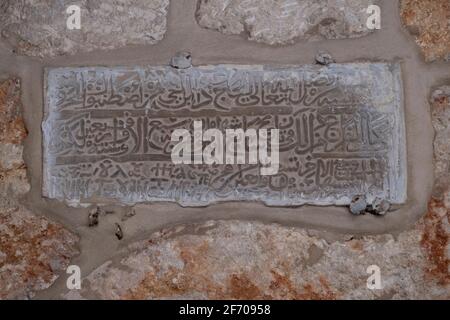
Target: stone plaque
{"type": "Point", "coordinates": [108, 133]}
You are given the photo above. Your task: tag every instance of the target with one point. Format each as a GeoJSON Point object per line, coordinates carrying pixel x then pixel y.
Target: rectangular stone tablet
{"type": "Point", "coordinates": [107, 133]}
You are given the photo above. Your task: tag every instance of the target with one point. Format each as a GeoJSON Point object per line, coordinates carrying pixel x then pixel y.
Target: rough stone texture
{"type": "Point", "coordinates": [32, 249]}
{"type": "Point", "coordinates": [436, 240]}
{"type": "Point", "coordinates": [429, 22]}
{"type": "Point", "coordinates": [250, 260]}
{"type": "Point", "coordinates": [13, 176]}
{"type": "Point", "coordinates": [107, 133]}
{"type": "Point", "coordinates": [440, 111]}
{"type": "Point", "coordinates": [38, 28]}
{"type": "Point", "coordinates": [285, 21]}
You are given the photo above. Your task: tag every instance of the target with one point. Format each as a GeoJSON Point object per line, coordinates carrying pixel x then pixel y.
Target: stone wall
{"type": "Point", "coordinates": [233, 250]}
{"type": "Point", "coordinates": [33, 250]}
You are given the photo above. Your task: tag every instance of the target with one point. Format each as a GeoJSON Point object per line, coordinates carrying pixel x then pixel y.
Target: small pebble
{"type": "Point", "coordinates": [119, 232]}
{"type": "Point", "coordinates": [324, 58]}
{"type": "Point", "coordinates": [181, 60]}
{"type": "Point", "coordinates": [93, 217]}
{"type": "Point", "coordinates": [358, 205]}
{"type": "Point", "coordinates": [380, 206]}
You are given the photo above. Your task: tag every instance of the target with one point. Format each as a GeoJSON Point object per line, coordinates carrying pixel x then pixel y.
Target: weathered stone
{"type": "Point", "coordinates": [38, 28]}
{"type": "Point", "coordinates": [436, 234]}
{"type": "Point", "coordinates": [12, 128]}
{"type": "Point", "coordinates": [380, 206]}
{"type": "Point", "coordinates": [250, 260]}
{"type": "Point", "coordinates": [324, 58]}
{"type": "Point", "coordinates": [182, 60]}
{"type": "Point", "coordinates": [358, 205]}
{"type": "Point", "coordinates": [440, 111]}
{"type": "Point", "coordinates": [283, 22]}
{"type": "Point", "coordinates": [13, 175]}
{"type": "Point", "coordinates": [428, 21]}
{"type": "Point", "coordinates": [107, 133]}
{"type": "Point", "coordinates": [32, 250]}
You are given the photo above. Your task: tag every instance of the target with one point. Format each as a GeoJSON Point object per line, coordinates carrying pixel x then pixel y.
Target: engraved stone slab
{"type": "Point", "coordinates": [107, 133]}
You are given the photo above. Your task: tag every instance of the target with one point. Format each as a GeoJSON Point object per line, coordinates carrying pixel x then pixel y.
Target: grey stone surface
{"type": "Point", "coordinates": [380, 206]}
{"type": "Point", "coordinates": [181, 60]}
{"type": "Point", "coordinates": [251, 260]}
{"type": "Point", "coordinates": [324, 58]}
{"type": "Point", "coordinates": [38, 28]}
{"type": "Point", "coordinates": [107, 133]}
{"type": "Point", "coordinates": [358, 205]}
{"type": "Point", "coordinates": [440, 101]}
{"type": "Point", "coordinates": [285, 21]}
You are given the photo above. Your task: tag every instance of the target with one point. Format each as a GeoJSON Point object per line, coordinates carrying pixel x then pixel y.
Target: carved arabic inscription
{"type": "Point", "coordinates": [107, 133]}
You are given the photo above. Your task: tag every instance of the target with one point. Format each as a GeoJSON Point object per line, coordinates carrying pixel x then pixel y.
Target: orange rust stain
{"type": "Point", "coordinates": [242, 288]}
{"type": "Point", "coordinates": [239, 286]}
{"type": "Point", "coordinates": [324, 292]}
{"type": "Point", "coordinates": [12, 126]}
{"type": "Point", "coordinates": [197, 275]}
{"type": "Point", "coordinates": [287, 290]}
{"type": "Point", "coordinates": [434, 234]}
{"type": "Point", "coordinates": [357, 245]}
{"type": "Point", "coordinates": [443, 100]}
{"type": "Point", "coordinates": [22, 245]}
{"type": "Point", "coordinates": [171, 283]}
{"type": "Point", "coordinates": [191, 255]}
{"type": "Point", "coordinates": [192, 277]}
{"type": "Point", "coordinates": [435, 240]}
{"type": "Point", "coordinates": [430, 19]}
{"type": "Point", "coordinates": [283, 286]}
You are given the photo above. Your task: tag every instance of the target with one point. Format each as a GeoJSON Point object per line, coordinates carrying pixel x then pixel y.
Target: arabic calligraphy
{"type": "Point", "coordinates": [107, 133]}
